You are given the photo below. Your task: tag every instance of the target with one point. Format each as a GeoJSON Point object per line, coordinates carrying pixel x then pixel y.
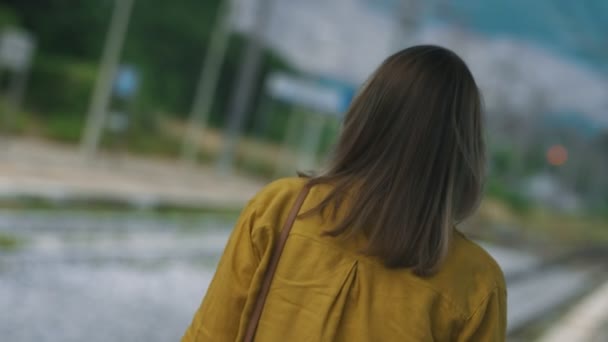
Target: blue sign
{"type": "Point", "coordinates": [321, 94]}
{"type": "Point", "coordinates": [347, 91]}
{"type": "Point", "coordinates": [347, 98]}
{"type": "Point", "coordinates": [127, 82]}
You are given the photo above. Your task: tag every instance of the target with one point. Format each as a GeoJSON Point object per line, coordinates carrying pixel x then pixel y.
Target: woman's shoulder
{"type": "Point", "coordinates": [279, 191]}
{"type": "Point", "coordinates": [471, 255]}
{"type": "Point", "coordinates": [469, 274]}
{"type": "Point", "coordinates": [274, 201]}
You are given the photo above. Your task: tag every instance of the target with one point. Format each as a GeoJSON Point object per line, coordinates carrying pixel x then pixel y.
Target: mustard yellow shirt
{"type": "Point", "coordinates": [324, 290]}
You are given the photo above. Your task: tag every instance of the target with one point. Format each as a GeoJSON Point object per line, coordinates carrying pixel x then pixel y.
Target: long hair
{"type": "Point", "coordinates": [410, 158]}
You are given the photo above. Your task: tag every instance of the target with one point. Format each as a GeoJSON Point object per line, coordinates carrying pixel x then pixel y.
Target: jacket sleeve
{"type": "Point", "coordinates": [489, 321]}
{"type": "Point", "coordinates": [218, 317]}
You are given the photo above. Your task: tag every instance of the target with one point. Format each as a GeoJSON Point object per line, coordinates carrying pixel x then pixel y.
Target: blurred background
{"type": "Point", "coordinates": [133, 132]}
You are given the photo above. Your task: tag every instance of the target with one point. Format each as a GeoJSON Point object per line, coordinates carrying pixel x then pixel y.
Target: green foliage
{"type": "Point", "coordinates": [8, 17]}
{"type": "Point", "coordinates": [166, 42]}
{"type": "Point", "coordinates": [61, 85]}
{"type": "Point", "coordinates": [272, 119]}
{"type": "Point", "coordinates": [515, 199]}
{"type": "Point", "coordinates": [59, 93]}
{"type": "Point", "coordinates": [9, 242]}
{"type": "Point", "coordinates": [534, 160]}
{"type": "Point", "coordinates": [257, 168]}
{"type": "Point", "coordinates": [145, 143]}
{"type": "Point", "coordinates": [330, 136]}
{"type": "Point", "coordinates": [12, 123]}
{"type": "Point", "coordinates": [502, 162]}
{"type": "Point", "coordinates": [71, 29]}
{"type": "Point", "coordinates": [600, 209]}
{"type": "Point", "coordinates": [64, 127]}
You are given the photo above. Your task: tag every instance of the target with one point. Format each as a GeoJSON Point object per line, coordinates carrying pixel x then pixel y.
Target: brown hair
{"type": "Point", "coordinates": [410, 158]}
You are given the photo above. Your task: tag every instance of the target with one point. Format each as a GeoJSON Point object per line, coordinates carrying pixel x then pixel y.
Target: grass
{"type": "Point", "coordinates": [9, 242]}
{"type": "Point", "coordinates": [160, 145]}
{"type": "Point", "coordinates": [497, 219]}
{"type": "Point", "coordinates": [101, 205]}
{"type": "Point", "coordinates": [65, 129]}
{"type": "Point", "coordinates": [573, 228]}
{"type": "Point", "coordinates": [256, 157]}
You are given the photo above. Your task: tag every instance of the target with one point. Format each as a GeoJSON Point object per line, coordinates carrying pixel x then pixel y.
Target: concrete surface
{"type": "Point", "coordinates": [40, 169]}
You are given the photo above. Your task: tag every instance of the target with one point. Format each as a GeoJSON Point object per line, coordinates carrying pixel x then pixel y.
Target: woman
{"type": "Point", "coordinates": [374, 254]}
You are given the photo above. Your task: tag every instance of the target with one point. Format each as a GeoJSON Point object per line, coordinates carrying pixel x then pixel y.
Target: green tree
{"type": "Point", "coordinates": [166, 42]}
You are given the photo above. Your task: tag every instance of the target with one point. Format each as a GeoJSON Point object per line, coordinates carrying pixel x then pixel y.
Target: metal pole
{"type": "Point", "coordinates": [18, 84]}
{"type": "Point", "coordinates": [96, 115]}
{"type": "Point", "coordinates": [264, 109]}
{"type": "Point", "coordinates": [285, 155]}
{"type": "Point", "coordinates": [205, 90]}
{"type": "Point", "coordinates": [21, 46]}
{"type": "Point", "coordinates": [315, 123]}
{"type": "Point", "coordinates": [248, 74]}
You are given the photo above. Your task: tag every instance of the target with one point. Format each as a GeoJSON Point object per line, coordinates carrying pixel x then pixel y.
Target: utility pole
{"type": "Point", "coordinates": [248, 73]}
{"type": "Point", "coordinates": [16, 52]}
{"type": "Point", "coordinates": [207, 85]}
{"type": "Point", "coordinates": [96, 116]}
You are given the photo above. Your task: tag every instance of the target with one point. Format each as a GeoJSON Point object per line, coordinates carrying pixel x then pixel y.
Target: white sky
{"type": "Point", "coordinates": [347, 39]}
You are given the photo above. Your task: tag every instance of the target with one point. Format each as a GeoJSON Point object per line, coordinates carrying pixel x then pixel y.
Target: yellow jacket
{"type": "Point", "coordinates": [324, 290]}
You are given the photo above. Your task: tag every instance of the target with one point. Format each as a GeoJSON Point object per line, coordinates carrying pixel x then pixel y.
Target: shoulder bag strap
{"type": "Point", "coordinates": [272, 266]}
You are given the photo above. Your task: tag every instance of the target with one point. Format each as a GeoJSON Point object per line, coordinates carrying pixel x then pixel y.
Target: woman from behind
{"type": "Point", "coordinates": [374, 254]}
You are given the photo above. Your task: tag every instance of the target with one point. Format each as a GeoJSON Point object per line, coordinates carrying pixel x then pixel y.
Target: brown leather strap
{"type": "Point", "coordinates": [272, 266]}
